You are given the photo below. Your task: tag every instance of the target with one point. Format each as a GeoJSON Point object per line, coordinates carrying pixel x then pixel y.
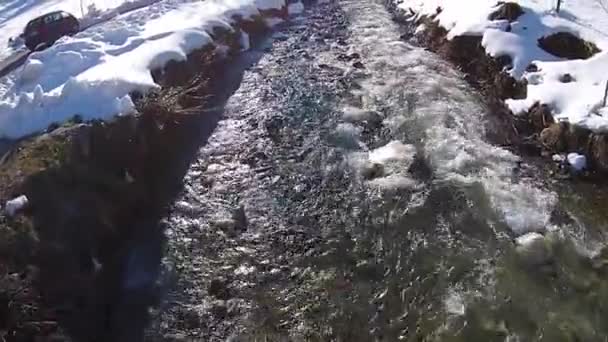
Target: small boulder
{"type": "Point", "coordinates": [219, 310]}
{"type": "Point", "coordinates": [358, 65]}
{"type": "Point", "coordinates": [240, 218]}
{"type": "Point", "coordinates": [372, 170]}
{"type": "Point", "coordinates": [219, 289]}
{"type": "Point", "coordinates": [532, 68]}
{"type": "Point", "coordinates": [509, 11]}
{"type": "Point", "coordinates": [566, 78]}
{"type": "Point", "coordinates": [534, 249]}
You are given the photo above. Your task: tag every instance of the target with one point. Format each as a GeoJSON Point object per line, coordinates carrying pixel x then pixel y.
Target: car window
{"type": "Point", "coordinates": [34, 24]}
{"type": "Point", "coordinates": [52, 18]}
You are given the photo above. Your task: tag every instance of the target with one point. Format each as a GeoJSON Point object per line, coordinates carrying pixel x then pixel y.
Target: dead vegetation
{"type": "Point", "coordinates": [568, 46]}
{"type": "Point", "coordinates": [537, 130]}
{"type": "Point", "coordinates": [509, 11]}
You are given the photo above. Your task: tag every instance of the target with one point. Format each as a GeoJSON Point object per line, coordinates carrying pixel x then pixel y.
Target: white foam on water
{"type": "Point", "coordinates": [429, 102]}
{"type": "Point", "coordinates": [393, 151]}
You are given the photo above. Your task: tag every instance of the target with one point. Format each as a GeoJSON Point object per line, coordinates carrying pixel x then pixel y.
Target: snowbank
{"type": "Point", "coordinates": [92, 73]}
{"type": "Point", "coordinates": [14, 15]}
{"type": "Point", "coordinates": [578, 101]}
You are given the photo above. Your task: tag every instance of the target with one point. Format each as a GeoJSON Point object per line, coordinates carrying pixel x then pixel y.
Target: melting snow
{"type": "Point", "coordinates": [425, 100]}
{"type": "Point", "coordinates": [579, 102]}
{"type": "Point", "coordinates": [15, 205]}
{"type": "Point", "coordinates": [577, 161]}
{"type": "Point", "coordinates": [93, 73]}
{"type": "Point", "coordinates": [296, 8]}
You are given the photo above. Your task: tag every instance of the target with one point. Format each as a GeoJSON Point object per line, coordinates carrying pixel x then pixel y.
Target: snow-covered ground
{"type": "Point", "coordinates": [92, 73]}
{"type": "Point", "coordinates": [15, 14]}
{"type": "Point", "coordinates": [580, 101]}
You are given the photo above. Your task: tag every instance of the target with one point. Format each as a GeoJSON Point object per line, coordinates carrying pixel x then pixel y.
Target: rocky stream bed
{"type": "Point", "coordinates": [336, 182]}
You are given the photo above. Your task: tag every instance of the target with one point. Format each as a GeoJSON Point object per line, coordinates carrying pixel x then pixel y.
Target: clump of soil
{"type": "Point", "coordinates": [540, 116]}
{"type": "Point", "coordinates": [566, 45]}
{"type": "Point", "coordinates": [509, 11]}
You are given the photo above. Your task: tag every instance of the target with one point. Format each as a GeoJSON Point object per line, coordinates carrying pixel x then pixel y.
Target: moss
{"type": "Point", "coordinates": [30, 157]}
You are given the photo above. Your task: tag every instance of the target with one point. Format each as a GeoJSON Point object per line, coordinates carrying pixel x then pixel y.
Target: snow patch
{"type": "Point", "coordinates": [15, 205]}
{"type": "Point", "coordinates": [393, 151]}
{"type": "Point", "coordinates": [296, 8]}
{"type": "Point", "coordinates": [93, 73]}
{"type": "Point", "coordinates": [425, 102]}
{"type": "Point", "coordinates": [578, 102]}
{"type": "Point", "coordinates": [578, 162]}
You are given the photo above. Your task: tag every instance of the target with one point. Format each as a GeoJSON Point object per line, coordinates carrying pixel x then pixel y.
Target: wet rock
{"type": "Point", "coordinates": [190, 317]}
{"type": "Point", "coordinates": [228, 226]}
{"type": "Point", "coordinates": [534, 249]}
{"type": "Point", "coordinates": [233, 306]}
{"type": "Point", "coordinates": [554, 137]}
{"type": "Point", "coordinates": [219, 289]}
{"type": "Point", "coordinates": [358, 65]}
{"type": "Point", "coordinates": [348, 58]}
{"type": "Point", "coordinates": [372, 170]}
{"type": "Point", "coordinates": [509, 11]}
{"type": "Point", "coordinates": [506, 86]}
{"type": "Point", "coordinates": [219, 310]}
{"type": "Point", "coordinates": [567, 45]}
{"type": "Point", "coordinates": [566, 78]}
{"type": "Point", "coordinates": [240, 219]}
{"type": "Point", "coordinates": [420, 168]}
{"type": "Point", "coordinates": [561, 217]}
{"type": "Point", "coordinates": [532, 68]}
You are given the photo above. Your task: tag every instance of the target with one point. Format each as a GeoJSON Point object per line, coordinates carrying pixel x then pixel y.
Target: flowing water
{"type": "Point", "coordinates": [348, 194]}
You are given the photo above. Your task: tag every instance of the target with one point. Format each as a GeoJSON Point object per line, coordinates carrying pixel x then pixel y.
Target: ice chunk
{"type": "Point", "coordinates": [15, 205]}
{"type": "Point", "coordinates": [578, 162]}
{"type": "Point", "coordinates": [534, 249]}
{"type": "Point", "coordinates": [393, 151]}
{"type": "Point", "coordinates": [559, 158]}
{"type": "Point", "coordinates": [31, 70]}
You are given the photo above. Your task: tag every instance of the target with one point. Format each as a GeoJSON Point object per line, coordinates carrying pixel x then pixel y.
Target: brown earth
{"type": "Point", "coordinates": [96, 194]}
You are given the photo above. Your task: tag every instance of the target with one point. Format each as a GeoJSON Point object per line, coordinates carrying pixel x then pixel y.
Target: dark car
{"type": "Point", "coordinates": [43, 31]}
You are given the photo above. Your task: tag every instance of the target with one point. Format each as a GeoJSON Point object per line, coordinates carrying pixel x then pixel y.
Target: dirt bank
{"type": "Point", "coordinates": [536, 132]}
{"type": "Point", "coordinates": [83, 258]}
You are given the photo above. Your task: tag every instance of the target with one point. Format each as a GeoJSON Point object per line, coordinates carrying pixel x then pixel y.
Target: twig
{"type": "Point", "coordinates": [605, 95]}
{"type": "Point", "coordinates": [559, 5]}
